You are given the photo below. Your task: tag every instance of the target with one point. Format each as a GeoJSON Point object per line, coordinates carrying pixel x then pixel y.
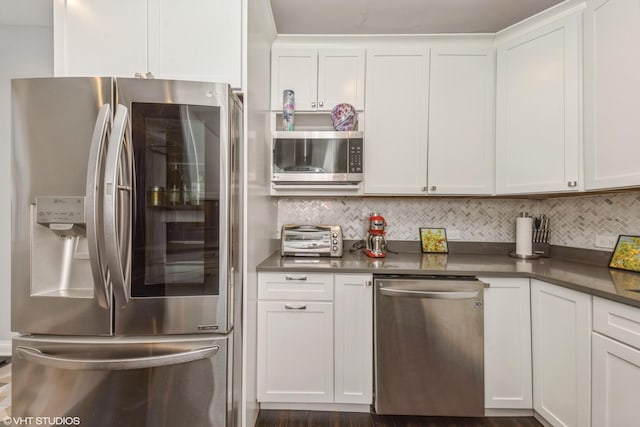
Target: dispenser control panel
{"type": "Point", "coordinates": [60, 210]}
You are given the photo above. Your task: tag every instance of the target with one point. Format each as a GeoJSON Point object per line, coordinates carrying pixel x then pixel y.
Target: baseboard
{"type": "Point", "coordinates": [542, 421]}
{"type": "Point", "coordinates": [5, 348]}
{"type": "Point", "coordinates": [335, 407]}
{"type": "Point", "coordinates": [490, 412]}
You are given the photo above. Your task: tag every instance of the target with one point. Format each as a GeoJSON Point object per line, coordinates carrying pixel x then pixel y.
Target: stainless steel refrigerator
{"type": "Point", "coordinates": [126, 256]}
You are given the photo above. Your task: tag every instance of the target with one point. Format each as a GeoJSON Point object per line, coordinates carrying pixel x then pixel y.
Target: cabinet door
{"type": "Point", "coordinates": [616, 383]}
{"type": "Point", "coordinates": [297, 70]}
{"type": "Point", "coordinates": [507, 344]}
{"type": "Point", "coordinates": [353, 338]}
{"type": "Point", "coordinates": [100, 38]}
{"type": "Point", "coordinates": [396, 104]}
{"type": "Point", "coordinates": [537, 111]}
{"type": "Point", "coordinates": [295, 286]}
{"type": "Point", "coordinates": [561, 332]}
{"type": "Point", "coordinates": [295, 351]}
{"type": "Point", "coordinates": [340, 78]}
{"type": "Point", "coordinates": [461, 106]}
{"type": "Point", "coordinates": [611, 93]}
{"type": "Point", "coordinates": [196, 40]}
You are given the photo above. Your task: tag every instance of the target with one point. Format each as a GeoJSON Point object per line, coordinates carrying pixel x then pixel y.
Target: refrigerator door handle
{"type": "Point", "coordinates": [36, 356]}
{"type": "Point", "coordinates": [93, 206]}
{"type": "Point", "coordinates": [117, 220]}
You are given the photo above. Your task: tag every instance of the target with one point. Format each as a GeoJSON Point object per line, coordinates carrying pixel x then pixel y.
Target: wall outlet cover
{"type": "Point", "coordinates": [453, 234]}
{"type": "Point", "coordinates": [606, 241]}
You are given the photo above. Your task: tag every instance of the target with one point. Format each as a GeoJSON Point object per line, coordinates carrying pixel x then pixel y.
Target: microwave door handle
{"type": "Point", "coordinates": [93, 206]}
{"type": "Point", "coordinates": [116, 221]}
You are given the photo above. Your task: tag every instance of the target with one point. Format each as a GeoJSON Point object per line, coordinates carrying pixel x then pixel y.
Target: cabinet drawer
{"type": "Point", "coordinates": [619, 321]}
{"type": "Point", "coordinates": [295, 286]}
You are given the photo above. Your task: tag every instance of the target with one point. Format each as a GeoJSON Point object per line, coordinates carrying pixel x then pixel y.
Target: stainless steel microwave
{"type": "Point", "coordinates": [308, 157]}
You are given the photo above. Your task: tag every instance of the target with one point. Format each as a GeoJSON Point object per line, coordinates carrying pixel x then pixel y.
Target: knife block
{"type": "Point", "coordinates": [541, 249]}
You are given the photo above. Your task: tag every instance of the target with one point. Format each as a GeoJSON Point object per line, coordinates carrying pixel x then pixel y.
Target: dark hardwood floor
{"type": "Point", "coordinates": [277, 418]}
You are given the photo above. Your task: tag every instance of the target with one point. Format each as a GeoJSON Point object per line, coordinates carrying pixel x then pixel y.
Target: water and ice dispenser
{"type": "Point", "coordinates": [60, 263]}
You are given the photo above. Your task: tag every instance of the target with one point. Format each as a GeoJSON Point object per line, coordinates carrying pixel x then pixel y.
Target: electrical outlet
{"type": "Point", "coordinates": [605, 241]}
{"type": "Point", "coordinates": [453, 234]}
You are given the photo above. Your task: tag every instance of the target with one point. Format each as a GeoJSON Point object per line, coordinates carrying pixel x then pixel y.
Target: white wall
{"type": "Point", "coordinates": [25, 51]}
{"type": "Point", "coordinates": [260, 209]}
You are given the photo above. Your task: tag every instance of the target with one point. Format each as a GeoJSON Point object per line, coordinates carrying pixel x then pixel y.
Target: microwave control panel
{"type": "Point", "coordinates": [355, 156]}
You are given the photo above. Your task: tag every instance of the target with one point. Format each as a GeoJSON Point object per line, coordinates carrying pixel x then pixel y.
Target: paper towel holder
{"type": "Point", "coordinates": [514, 254]}
{"type": "Point", "coordinates": [522, 256]}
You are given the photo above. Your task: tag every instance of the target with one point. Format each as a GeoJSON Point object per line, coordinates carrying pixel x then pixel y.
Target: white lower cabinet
{"type": "Point", "coordinates": [295, 347]}
{"type": "Point", "coordinates": [313, 350]}
{"type": "Point", "coordinates": [616, 364]}
{"type": "Point", "coordinates": [561, 343]}
{"type": "Point", "coordinates": [616, 383]}
{"type": "Point", "coordinates": [507, 344]}
{"type": "Point", "coordinates": [353, 338]}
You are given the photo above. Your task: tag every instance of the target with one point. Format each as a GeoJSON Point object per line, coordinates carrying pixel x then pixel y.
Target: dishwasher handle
{"type": "Point", "coordinates": [391, 292]}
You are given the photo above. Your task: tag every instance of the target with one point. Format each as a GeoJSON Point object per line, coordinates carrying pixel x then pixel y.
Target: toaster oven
{"type": "Point", "coordinates": [311, 240]}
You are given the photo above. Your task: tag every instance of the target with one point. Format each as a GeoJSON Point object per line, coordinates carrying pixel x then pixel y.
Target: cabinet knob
{"type": "Point", "coordinates": [424, 188]}
{"type": "Point", "coordinates": [433, 188]}
{"type": "Point", "coordinates": [313, 104]}
{"type": "Point", "coordinates": [572, 183]}
{"type": "Point", "coordinates": [321, 103]}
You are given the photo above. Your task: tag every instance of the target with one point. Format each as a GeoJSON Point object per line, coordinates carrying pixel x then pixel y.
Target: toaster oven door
{"type": "Point", "coordinates": [307, 240]}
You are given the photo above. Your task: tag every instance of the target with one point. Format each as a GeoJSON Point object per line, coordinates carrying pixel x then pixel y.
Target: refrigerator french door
{"type": "Point", "coordinates": [125, 207]}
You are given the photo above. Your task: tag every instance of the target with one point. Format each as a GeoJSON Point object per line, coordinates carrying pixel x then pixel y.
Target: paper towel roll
{"type": "Point", "coordinates": [524, 233]}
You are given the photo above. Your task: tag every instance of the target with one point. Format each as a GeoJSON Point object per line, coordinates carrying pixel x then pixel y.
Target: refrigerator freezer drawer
{"type": "Point", "coordinates": [174, 380]}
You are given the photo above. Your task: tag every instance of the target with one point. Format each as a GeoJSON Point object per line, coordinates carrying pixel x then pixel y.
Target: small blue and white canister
{"type": "Point", "coordinates": [288, 109]}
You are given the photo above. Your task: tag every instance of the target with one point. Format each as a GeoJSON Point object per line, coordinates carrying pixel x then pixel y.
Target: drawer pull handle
{"type": "Point", "coordinates": [295, 307]}
{"type": "Point", "coordinates": [295, 277]}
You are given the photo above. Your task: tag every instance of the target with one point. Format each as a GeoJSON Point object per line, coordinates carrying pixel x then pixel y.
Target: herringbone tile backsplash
{"type": "Point", "coordinates": [574, 220]}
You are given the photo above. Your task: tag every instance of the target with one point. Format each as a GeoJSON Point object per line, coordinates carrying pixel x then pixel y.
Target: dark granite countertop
{"type": "Point", "coordinates": [596, 280]}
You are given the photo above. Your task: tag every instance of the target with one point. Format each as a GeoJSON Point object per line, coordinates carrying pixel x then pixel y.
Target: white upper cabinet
{"type": "Point", "coordinates": [100, 38]}
{"type": "Point", "coordinates": [320, 78]}
{"type": "Point", "coordinates": [538, 110]}
{"type": "Point", "coordinates": [296, 70]}
{"type": "Point", "coordinates": [196, 40]}
{"type": "Point", "coordinates": [395, 153]}
{"type": "Point", "coordinates": [612, 94]}
{"type": "Point", "coordinates": [461, 121]}
{"type": "Point", "coordinates": [188, 40]}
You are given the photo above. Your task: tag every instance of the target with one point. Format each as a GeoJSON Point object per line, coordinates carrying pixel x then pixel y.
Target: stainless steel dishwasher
{"type": "Point", "coordinates": [429, 346]}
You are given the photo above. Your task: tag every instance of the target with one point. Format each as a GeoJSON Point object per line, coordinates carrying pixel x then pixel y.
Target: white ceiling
{"type": "Point", "coordinates": [401, 16]}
